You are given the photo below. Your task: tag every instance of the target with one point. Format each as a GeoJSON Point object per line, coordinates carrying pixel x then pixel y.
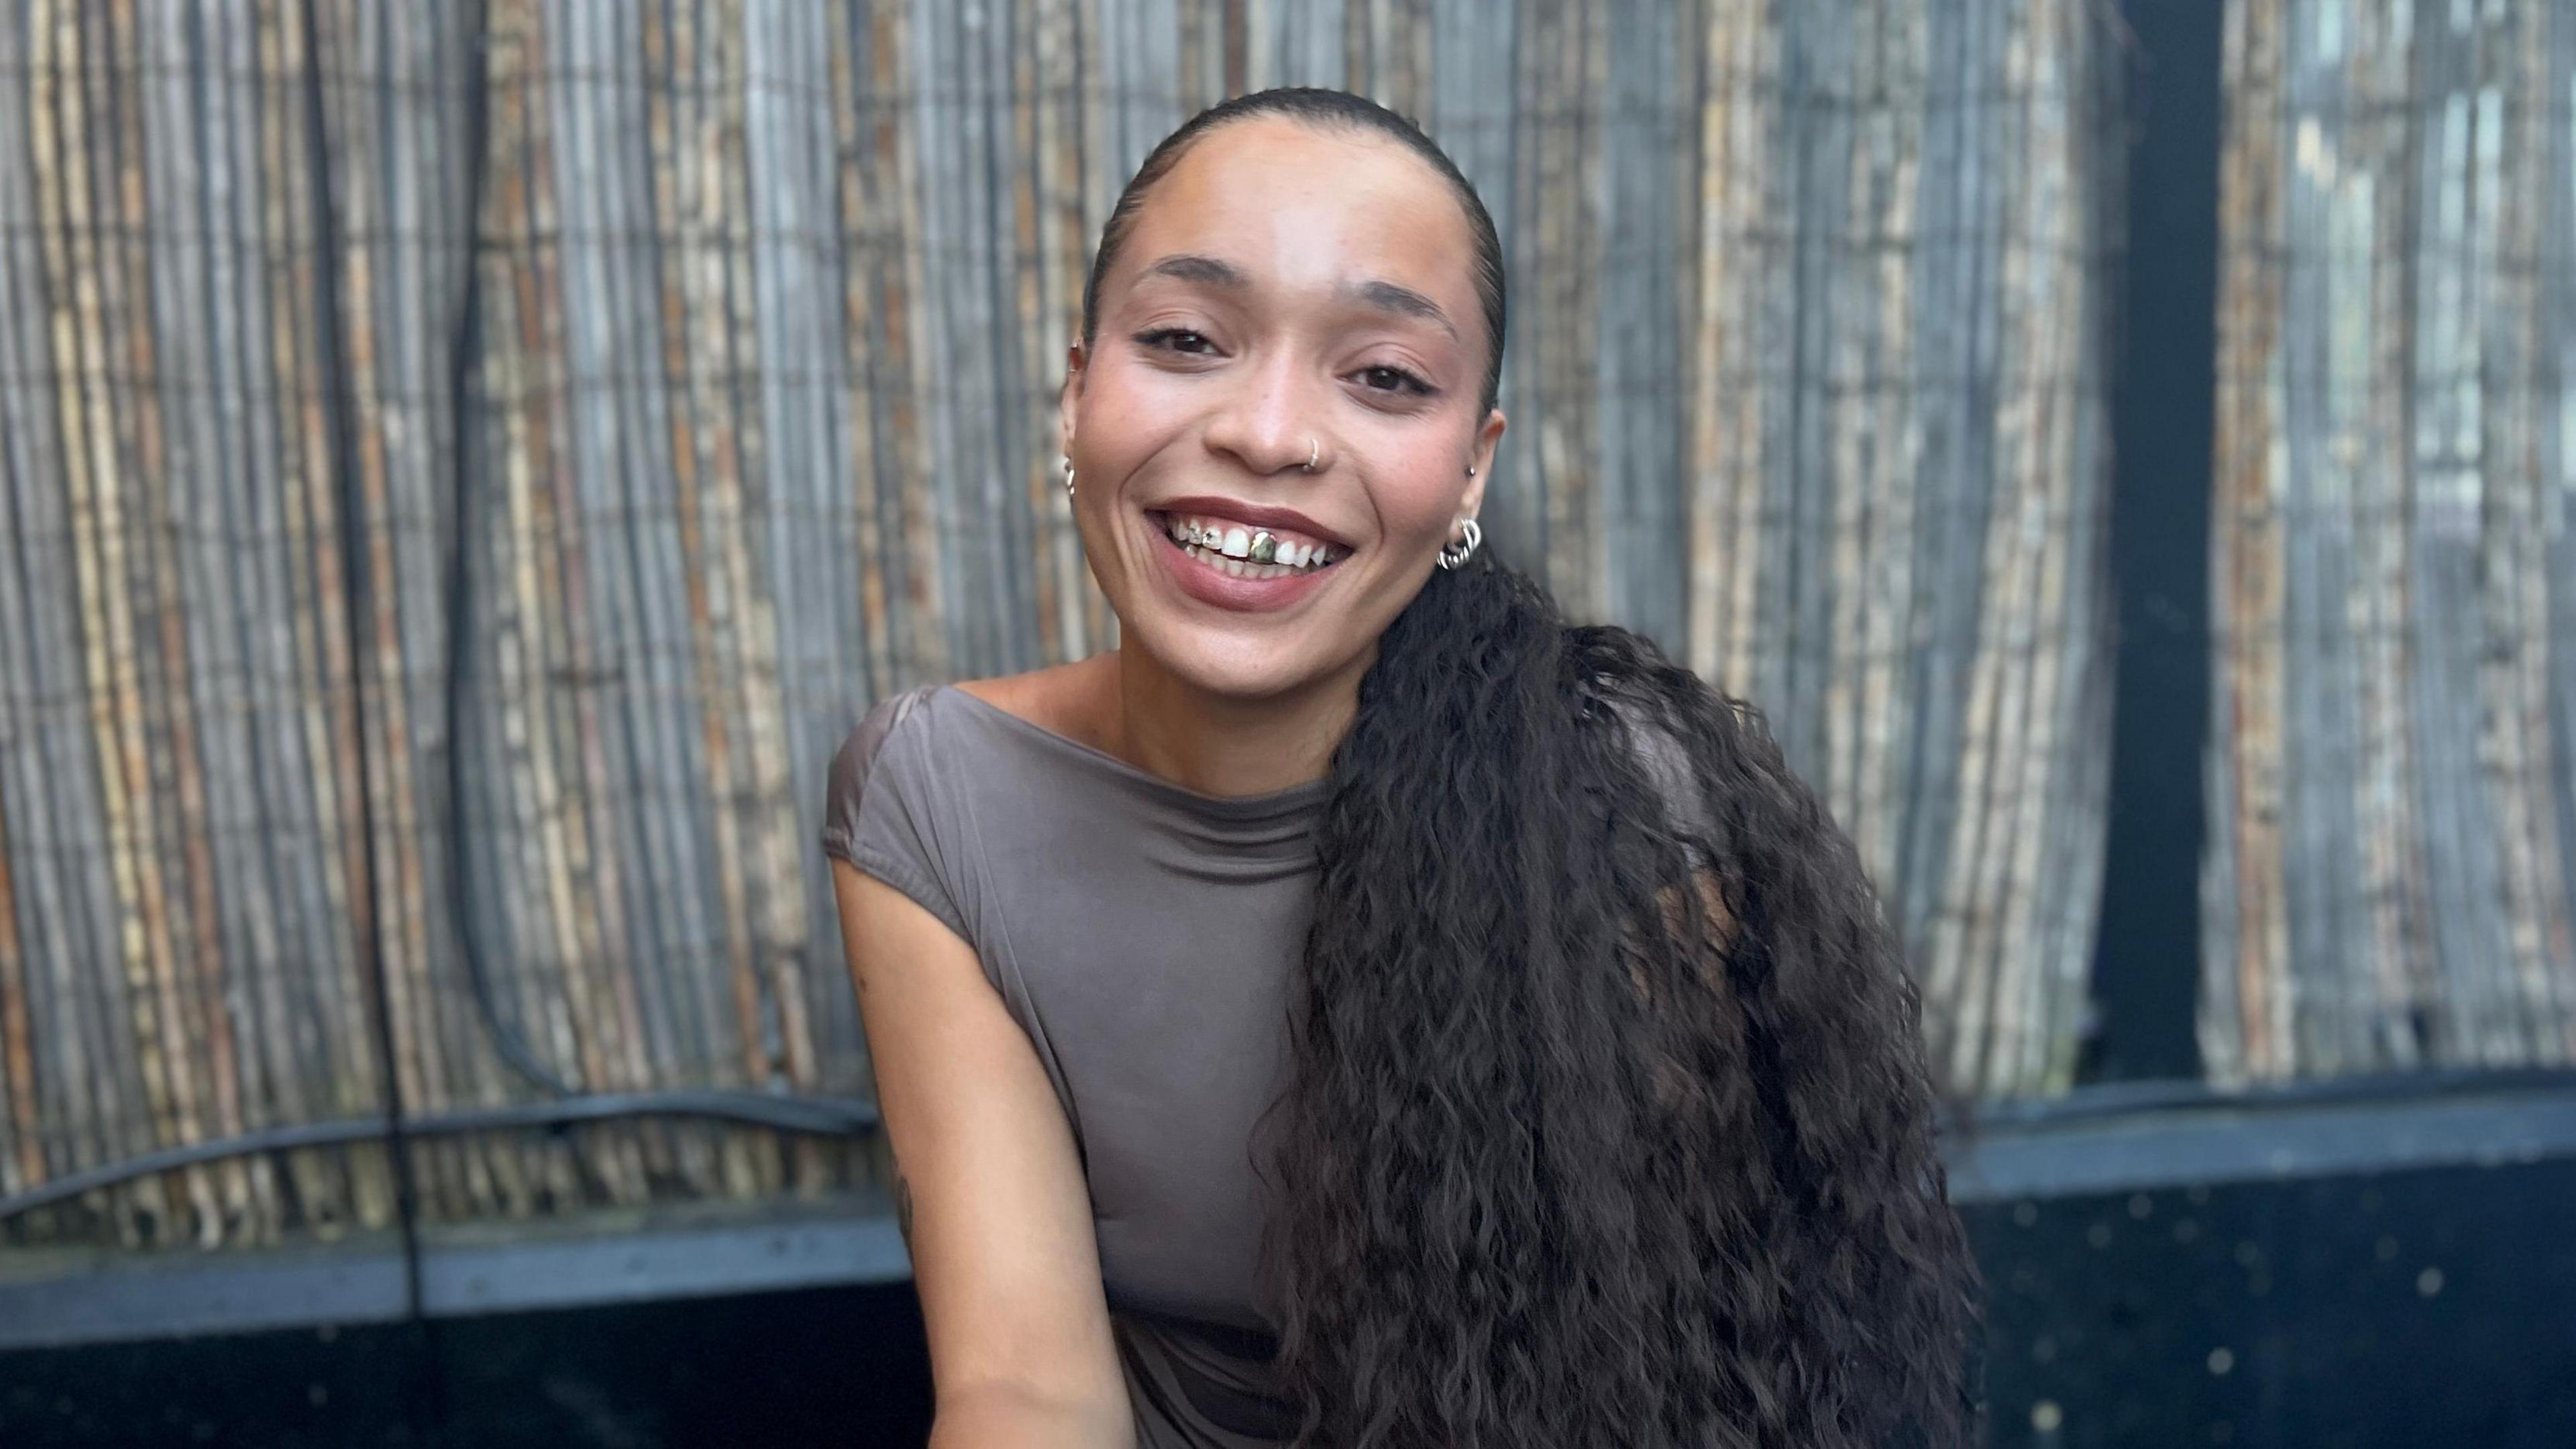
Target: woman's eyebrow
{"type": "Point", "coordinates": [1208, 271]}
{"type": "Point", "coordinates": [1376, 294]}
{"type": "Point", "coordinates": [1401, 300]}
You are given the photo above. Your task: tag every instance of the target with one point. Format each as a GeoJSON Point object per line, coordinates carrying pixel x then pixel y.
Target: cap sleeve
{"type": "Point", "coordinates": [1665, 760]}
{"type": "Point", "coordinates": [879, 809]}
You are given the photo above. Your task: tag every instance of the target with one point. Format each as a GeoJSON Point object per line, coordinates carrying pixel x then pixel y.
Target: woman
{"type": "Point", "coordinates": [1362, 1009]}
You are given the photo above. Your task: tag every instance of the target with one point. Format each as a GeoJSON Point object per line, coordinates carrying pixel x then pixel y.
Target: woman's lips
{"type": "Point", "coordinates": [1211, 585]}
{"type": "Point", "coordinates": [1282, 521]}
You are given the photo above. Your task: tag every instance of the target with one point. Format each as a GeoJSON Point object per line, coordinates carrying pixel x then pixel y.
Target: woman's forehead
{"type": "Point", "coordinates": [1300, 207]}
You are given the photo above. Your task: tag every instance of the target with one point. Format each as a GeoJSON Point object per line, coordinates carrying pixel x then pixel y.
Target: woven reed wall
{"type": "Point", "coordinates": [523, 442]}
{"type": "Point", "coordinates": [2393, 779]}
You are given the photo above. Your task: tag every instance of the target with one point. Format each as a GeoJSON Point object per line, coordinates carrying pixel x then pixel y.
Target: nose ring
{"type": "Point", "coordinates": [1314, 450]}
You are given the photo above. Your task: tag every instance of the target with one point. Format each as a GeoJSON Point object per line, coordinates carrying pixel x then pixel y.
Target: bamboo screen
{"type": "Point", "coordinates": [503, 452]}
{"type": "Point", "coordinates": [2393, 773]}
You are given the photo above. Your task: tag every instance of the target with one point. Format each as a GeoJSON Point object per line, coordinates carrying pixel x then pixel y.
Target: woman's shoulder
{"type": "Point", "coordinates": [913, 783]}
{"type": "Point", "coordinates": [866, 741]}
{"type": "Point", "coordinates": [920, 727]}
{"type": "Point", "coordinates": [902, 787]}
{"type": "Point", "coordinates": [860, 761]}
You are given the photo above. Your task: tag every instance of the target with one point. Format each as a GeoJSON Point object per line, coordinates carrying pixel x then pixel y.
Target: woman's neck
{"type": "Point", "coordinates": [1224, 745]}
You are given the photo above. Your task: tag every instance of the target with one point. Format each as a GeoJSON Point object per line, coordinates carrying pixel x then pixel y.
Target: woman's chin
{"type": "Point", "coordinates": [1232, 663]}
{"type": "Point", "coordinates": [1227, 673]}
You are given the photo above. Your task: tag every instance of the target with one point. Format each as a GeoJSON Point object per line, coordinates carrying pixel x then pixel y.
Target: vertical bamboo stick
{"type": "Point", "coordinates": [95, 479]}
{"type": "Point", "coordinates": [290, 241]}
{"type": "Point", "coordinates": [2236, 1040]}
{"type": "Point", "coordinates": [2393, 872]}
{"type": "Point", "coordinates": [2517, 657]}
{"type": "Point", "coordinates": [854, 115]}
{"type": "Point", "coordinates": [594, 326]}
{"type": "Point", "coordinates": [1888, 626]}
{"type": "Point", "coordinates": [650, 990]}
{"type": "Point", "coordinates": [24, 1165]}
{"type": "Point", "coordinates": [763, 678]}
{"type": "Point", "coordinates": [82, 1079]}
{"type": "Point", "coordinates": [591, 842]}
{"type": "Point", "coordinates": [179, 453]}
{"type": "Point", "coordinates": [230, 426]}
{"type": "Point", "coordinates": [667, 60]}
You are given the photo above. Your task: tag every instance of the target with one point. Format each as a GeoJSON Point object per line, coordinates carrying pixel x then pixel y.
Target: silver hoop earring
{"type": "Point", "coordinates": [1068, 475]}
{"type": "Point", "coordinates": [1454, 554]}
{"type": "Point", "coordinates": [1314, 450]}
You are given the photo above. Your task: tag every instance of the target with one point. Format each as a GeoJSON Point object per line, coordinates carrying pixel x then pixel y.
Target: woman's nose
{"type": "Point", "coordinates": [1271, 420]}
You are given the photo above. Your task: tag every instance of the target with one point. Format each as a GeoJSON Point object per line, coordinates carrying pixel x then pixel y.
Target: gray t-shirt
{"type": "Point", "coordinates": [1144, 936]}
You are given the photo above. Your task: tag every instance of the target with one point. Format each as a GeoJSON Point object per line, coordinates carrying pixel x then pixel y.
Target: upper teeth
{"type": "Point", "coordinates": [1257, 546]}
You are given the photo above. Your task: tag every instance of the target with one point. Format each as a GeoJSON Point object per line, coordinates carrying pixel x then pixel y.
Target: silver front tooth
{"type": "Point", "coordinates": [1264, 547]}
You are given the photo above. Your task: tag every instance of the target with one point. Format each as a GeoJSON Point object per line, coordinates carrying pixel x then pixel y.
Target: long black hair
{"type": "Point", "coordinates": [1608, 1119]}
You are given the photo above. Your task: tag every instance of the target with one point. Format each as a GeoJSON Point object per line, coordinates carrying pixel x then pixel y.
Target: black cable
{"type": "Point", "coordinates": [817, 1116]}
{"type": "Point", "coordinates": [463, 347]}
{"type": "Point", "coordinates": [428, 1384]}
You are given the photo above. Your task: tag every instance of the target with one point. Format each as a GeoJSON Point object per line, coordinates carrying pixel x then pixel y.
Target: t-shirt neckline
{"type": "Point", "coordinates": [1234, 807]}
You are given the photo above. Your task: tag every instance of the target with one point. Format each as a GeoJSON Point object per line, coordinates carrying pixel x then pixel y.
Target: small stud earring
{"type": "Point", "coordinates": [1068, 475]}
{"type": "Point", "coordinates": [1471, 470]}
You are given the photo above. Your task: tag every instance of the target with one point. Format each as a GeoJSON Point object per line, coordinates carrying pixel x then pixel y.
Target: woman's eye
{"type": "Point", "coordinates": [1179, 339]}
{"type": "Point", "coordinates": [1392, 379]}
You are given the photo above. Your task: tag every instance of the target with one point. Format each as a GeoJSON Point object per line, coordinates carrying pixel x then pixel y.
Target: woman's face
{"type": "Point", "coordinates": [1287, 292]}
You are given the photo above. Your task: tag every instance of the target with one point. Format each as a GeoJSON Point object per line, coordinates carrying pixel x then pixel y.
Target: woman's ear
{"type": "Point", "coordinates": [1068, 401]}
{"type": "Point", "coordinates": [1481, 458]}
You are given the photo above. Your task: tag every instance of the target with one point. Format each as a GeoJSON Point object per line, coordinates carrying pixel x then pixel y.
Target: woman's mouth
{"type": "Point", "coordinates": [1236, 566]}
{"type": "Point", "coordinates": [1247, 553]}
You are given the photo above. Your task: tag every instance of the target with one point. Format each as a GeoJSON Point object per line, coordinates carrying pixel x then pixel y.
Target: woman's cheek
{"type": "Point", "coordinates": [1125, 407]}
{"type": "Point", "coordinates": [1417, 512]}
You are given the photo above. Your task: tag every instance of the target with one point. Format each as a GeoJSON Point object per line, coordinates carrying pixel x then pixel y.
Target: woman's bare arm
{"type": "Point", "coordinates": [988, 1187]}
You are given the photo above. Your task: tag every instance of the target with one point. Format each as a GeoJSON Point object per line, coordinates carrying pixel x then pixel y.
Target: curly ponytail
{"type": "Point", "coordinates": [1609, 1121]}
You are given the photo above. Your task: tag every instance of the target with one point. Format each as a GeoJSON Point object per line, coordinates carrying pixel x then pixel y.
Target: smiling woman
{"type": "Point", "coordinates": [1284, 339]}
{"type": "Point", "coordinates": [1363, 1009]}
